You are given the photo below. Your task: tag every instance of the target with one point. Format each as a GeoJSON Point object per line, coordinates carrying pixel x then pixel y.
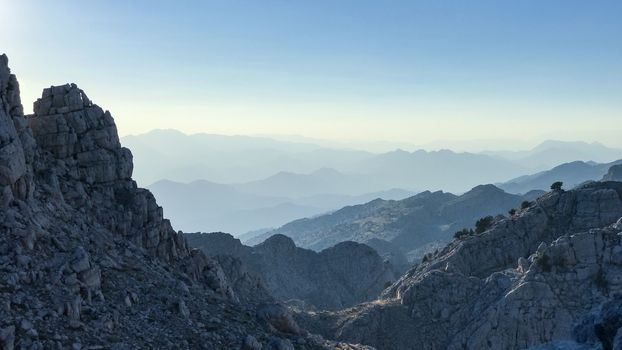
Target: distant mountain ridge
{"type": "Point", "coordinates": [571, 174]}
{"type": "Point", "coordinates": [551, 153]}
{"type": "Point", "coordinates": [407, 224]}
{"type": "Point", "coordinates": [204, 205]}
{"type": "Point", "coordinates": [272, 182]}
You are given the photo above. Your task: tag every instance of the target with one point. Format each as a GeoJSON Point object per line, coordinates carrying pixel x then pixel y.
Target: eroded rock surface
{"type": "Point", "coordinates": [87, 259]}
{"type": "Point", "coordinates": [550, 274]}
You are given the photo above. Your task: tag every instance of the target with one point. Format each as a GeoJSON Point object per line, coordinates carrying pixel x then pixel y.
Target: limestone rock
{"type": "Point", "coordinates": [81, 245]}
{"type": "Point", "coordinates": [472, 294]}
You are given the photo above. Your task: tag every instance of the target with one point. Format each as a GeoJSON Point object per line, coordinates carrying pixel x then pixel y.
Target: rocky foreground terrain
{"type": "Point", "coordinates": [341, 276]}
{"type": "Point", "coordinates": [550, 274]}
{"type": "Point", "coordinates": [87, 260]}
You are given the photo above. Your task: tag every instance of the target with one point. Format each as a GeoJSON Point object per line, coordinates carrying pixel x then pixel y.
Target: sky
{"type": "Point", "coordinates": [498, 74]}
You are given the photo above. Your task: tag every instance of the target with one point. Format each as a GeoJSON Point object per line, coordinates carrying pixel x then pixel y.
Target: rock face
{"type": "Point", "coordinates": [413, 226]}
{"type": "Point", "coordinates": [86, 257]}
{"type": "Point", "coordinates": [614, 173]}
{"type": "Point", "coordinates": [550, 273]}
{"type": "Point", "coordinates": [337, 277]}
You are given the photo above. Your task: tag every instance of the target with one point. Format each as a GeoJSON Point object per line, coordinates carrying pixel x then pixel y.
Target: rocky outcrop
{"type": "Point", "coordinates": [17, 146]}
{"type": "Point", "coordinates": [87, 259]}
{"type": "Point", "coordinates": [546, 274]}
{"type": "Point", "coordinates": [337, 277]}
{"type": "Point", "coordinates": [614, 173]}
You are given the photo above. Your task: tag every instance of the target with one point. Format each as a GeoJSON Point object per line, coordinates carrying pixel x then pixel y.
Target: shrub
{"type": "Point", "coordinates": [464, 233]}
{"type": "Point", "coordinates": [512, 212]}
{"type": "Point", "coordinates": [557, 186]}
{"type": "Point", "coordinates": [483, 224]}
{"type": "Point", "coordinates": [525, 204]}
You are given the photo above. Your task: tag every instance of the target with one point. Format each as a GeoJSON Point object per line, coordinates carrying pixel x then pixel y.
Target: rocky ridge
{"type": "Point", "coordinates": [409, 226]}
{"type": "Point", "coordinates": [551, 274]}
{"type": "Point", "coordinates": [87, 259]}
{"type": "Point", "coordinates": [614, 173]}
{"type": "Point", "coordinates": [341, 276]}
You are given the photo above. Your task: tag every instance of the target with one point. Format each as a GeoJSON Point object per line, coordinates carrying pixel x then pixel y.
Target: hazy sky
{"type": "Point", "coordinates": [402, 71]}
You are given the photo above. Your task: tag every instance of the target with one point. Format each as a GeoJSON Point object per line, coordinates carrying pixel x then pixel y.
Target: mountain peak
{"type": "Point", "coordinates": [486, 189]}
{"type": "Point", "coordinates": [278, 241]}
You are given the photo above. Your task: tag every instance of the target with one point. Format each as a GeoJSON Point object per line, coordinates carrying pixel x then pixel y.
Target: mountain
{"type": "Point", "coordinates": [170, 154]}
{"type": "Point", "coordinates": [266, 163]}
{"type": "Point", "coordinates": [435, 170]}
{"type": "Point", "coordinates": [546, 278]}
{"type": "Point", "coordinates": [409, 224]}
{"type": "Point", "coordinates": [340, 276]}
{"type": "Point", "coordinates": [206, 205]}
{"type": "Point", "coordinates": [321, 181]}
{"type": "Point", "coordinates": [87, 260]}
{"type": "Point", "coordinates": [614, 173]}
{"type": "Point", "coordinates": [571, 174]}
{"type": "Point", "coordinates": [551, 153]}
{"type": "Point", "coordinates": [203, 205]}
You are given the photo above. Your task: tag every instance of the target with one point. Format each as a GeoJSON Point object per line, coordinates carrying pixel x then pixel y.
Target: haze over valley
{"type": "Point", "coordinates": [207, 182]}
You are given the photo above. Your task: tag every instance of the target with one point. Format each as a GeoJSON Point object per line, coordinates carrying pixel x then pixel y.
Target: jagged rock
{"type": "Point", "coordinates": [183, 309]}
{"type": "Point", "coordinates": [250, 343]}
{"type": "Point", "coordinates": [472, 294]}
{"type": "Point", "coordinates": [280, 318]}
{"type": "Point", "coordinates": [7, 338]}
{"type": "Point", "coordinates": [75, 225]}
{"type": "Point", "coordinates": [80, 260]}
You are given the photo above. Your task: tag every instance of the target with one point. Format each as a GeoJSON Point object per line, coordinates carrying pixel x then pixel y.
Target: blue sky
{"type": "Point", "coordinates": [403, 71]}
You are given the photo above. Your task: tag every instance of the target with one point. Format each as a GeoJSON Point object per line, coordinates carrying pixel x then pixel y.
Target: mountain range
{"type": "Point", "coordinates": [413, 225]}
{"type": "Point", "coordinates": [172, 155]}
{"type": "Point", "coordinates": [571, 174]}
{"type": "Point", "coordinates": [548, 277]}
{"type": "Point", "coordinates": [206, 206]}
{"type": "Point", "coordinates": [89, 261]}
{"type": "Point", "coordinates": [207, 182]}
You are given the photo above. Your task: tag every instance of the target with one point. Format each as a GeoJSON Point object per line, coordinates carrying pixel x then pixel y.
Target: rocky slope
{"type": "Point", "coordinates": [614, 173]}
{"type": "Point", "coordinates": [87, 259]}
{"type": "Point", "coordinates": [341, 276]}
{"type": "Point", "coordinates": [413, 225]}
{"type": "Point", "coordinates": [550, 276]}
